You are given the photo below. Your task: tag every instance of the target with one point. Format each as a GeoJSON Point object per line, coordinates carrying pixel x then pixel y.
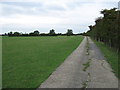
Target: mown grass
{"type": "Point", "coordinates": [28, 61]}
{"type": "Point", "coordinates": [111, 56]}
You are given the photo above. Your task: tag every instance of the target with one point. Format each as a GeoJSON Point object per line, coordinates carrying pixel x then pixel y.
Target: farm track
{"type": "Point", "coordinates": [86, 67]}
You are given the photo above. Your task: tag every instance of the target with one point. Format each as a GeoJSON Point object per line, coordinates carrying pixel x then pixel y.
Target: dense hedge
{"type": "Point", "coordinates": [107, 28]}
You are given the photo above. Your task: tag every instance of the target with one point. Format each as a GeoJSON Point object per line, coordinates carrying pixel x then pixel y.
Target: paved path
{"type": "Point", "coordinates": [84, 68]}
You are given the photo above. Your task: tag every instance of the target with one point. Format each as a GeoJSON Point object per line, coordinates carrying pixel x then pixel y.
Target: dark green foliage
{"type": "Point", "coordinates": [107, 28]}
{"type": "Point", "coordinates": [69, 32]}
{"type": "Point", "coordinates": [36, 33]}
{"type": "Point", "coordinates": [16, 34]}
{"type": "Point", "coordinates": [10, 33]}
{"type": "Point", "coordinates": [31, 34]}
{"type": "Point", "coordinates": [44, 34]}
{"type": "Point", "coordinates": [52, 32]}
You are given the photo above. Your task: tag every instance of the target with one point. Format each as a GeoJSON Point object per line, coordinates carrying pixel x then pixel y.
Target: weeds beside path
{"type": "Point", "coordinates": [111, 56]}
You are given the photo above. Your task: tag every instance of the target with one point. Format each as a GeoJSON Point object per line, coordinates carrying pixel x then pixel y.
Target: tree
{"type": "Point", "coordinates": [52, 32]}
{"type": "Point", "coordinates": [16, 34]}
{"type": "Point", "coordinates": [69, 32]}
{"type": "Point", "coordinates": [36, 33]}
{"type": "Point", "coordinates": [10, 33]}
{"type": "Point", "coordinates": [5, 34]}
{"type": "Point", "coordinates": [31, 34]}
{"type": "Point", "coordinates": [107, 28]}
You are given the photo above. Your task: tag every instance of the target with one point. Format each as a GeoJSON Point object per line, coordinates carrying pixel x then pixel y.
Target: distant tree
{"type": "Point", "coordinates": [59, 34]}
{"type": "Point", "coordinates": [36, 33]}
{"type": "Point", "coordinates": [44, 34]}
{"type": "Point", "coordinates": [25, 34]}
{"type": "Point", "coordinates": [69, 32]}
{"type": "Point", "coordinates": [10, 33]}
{"type": "Point", "coordinates": [16, 34]}
{"type": "Point", "coordinates": [5, 34]}
{"type": "Point", "coordinates": [52, 32]}
{"type": "Point", "coordinates": [31, 34]}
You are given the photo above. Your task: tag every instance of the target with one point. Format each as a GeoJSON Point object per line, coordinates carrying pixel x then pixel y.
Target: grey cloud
{"type": "Point", "coordinates": [30, 8]}
{"type": "Point", "coordinates": [22, 8]}
{"type": "Point", "coordinates": [56, 8]}
{"type": "Point", "coordinates": [24, 4]}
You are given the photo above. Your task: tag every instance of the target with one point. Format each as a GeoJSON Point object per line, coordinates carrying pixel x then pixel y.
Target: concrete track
{"type": "Point", "coordinates": [86, 67]}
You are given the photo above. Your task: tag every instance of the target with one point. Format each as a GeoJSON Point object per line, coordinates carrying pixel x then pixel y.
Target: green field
{"type": "Point", "coordinates": [111, 56]}
{"type": "Point", "coordinates": [28, 61]}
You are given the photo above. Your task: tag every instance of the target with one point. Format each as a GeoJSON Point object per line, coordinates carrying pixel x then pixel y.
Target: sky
{"type": "Point", "coordinates": [43, 15]}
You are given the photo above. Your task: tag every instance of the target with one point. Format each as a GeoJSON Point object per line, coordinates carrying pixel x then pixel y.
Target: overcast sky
{"type": "Point", "coordinates": [43, 15]}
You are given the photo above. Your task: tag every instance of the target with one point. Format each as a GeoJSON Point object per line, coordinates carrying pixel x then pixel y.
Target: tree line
{"type": "Point", "coordinates": [37, 33]}
{"type": "Point", "coordinates": [107, 28]}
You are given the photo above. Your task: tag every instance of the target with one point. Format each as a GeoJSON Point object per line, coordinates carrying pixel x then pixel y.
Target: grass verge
{"type": "Point", "coordinates": [111, 56]}
{"type": "Point", "coordinates": [28, 61]}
